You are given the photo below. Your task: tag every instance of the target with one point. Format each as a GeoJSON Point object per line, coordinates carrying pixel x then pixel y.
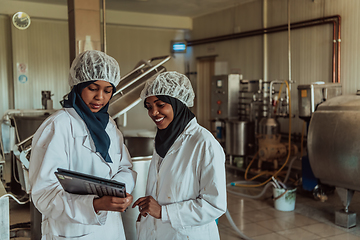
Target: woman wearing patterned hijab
{"type": "Point", "coordinates": [186, 188]}
{"type": "Point", "coordinates": [83, 138]}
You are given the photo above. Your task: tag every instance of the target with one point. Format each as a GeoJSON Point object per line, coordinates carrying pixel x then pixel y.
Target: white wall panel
{"type": "Point", "coordinates": [350, 45]}
{"type": "Point", "coordinates": [245, 54]}
{"type": "Point", "coordinates": [5, 64]}
{"type": "Point", "coordinates": [44, 48]}
{"type": "Point", "coordinates": [240, 18]}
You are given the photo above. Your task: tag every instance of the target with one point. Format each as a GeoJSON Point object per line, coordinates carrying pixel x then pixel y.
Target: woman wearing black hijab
{"type": "Point", "coordinates": [186, 188]}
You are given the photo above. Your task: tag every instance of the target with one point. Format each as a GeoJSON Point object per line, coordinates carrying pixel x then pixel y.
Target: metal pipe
{"type": "Point", "coordinates": [338, 54]}
{"type": "Point", "coordinates": [289, 40]}
{"type": "Point", "coordinates": [104, 25]}
{"type": "Point", "coordinates": [270, 96]}
{"type": "Point", "coordinates": [265, 43]}
{"type": "Point", "coordinates": [274, 29]}
{"type": "Point", "coordinates": [254, 33]}
{"type": "Point", "coordinates": [308, 23]}
{"type": "Point", "coordinates": [167, 58]}
{"type": "Point", "coordinates": [24, 141]}
{"type": "Point", "coordinates": [334, 51]}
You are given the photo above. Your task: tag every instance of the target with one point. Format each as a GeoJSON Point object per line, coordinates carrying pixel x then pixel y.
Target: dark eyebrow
{"type": "Point", "coordinates": [154, 101]}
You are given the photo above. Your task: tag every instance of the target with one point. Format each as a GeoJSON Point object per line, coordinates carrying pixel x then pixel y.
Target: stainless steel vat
{"type": "Point", "coordinates": [334, 142]}
{"type": "Point", "coordinates": [27, 125]}
{"type": "Point", "coordinates": [240, 137]}
{"type": "Point", "coordinates": [139, 146]}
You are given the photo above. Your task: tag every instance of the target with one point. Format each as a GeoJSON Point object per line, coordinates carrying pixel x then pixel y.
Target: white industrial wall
{"type": "Point", "coordinates": [5, 64]}
{"type": "Point", "coordinates": [44, 48]}
{"type": "Point", "coordinates": [311, 48]}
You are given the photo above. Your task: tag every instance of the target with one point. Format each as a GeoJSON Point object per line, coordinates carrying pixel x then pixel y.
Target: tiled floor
{"type": "Point", "coordinates": [311, 219]}
{"type": "Point", "coordinates": [259, 220]}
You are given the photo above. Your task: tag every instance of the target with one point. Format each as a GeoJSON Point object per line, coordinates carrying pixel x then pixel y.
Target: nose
{"type": "Point", "coordinates": [154, 111]}
{"type": "Point", "coordinates": [99, 95]}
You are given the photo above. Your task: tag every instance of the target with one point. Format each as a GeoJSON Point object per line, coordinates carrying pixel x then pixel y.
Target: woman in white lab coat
{"type": "Point", "coordinates": [82, 137]}
{"type": "Point", "coordinates": [186, 187]}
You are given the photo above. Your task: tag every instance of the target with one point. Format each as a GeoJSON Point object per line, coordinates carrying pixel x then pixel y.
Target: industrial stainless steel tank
{"type": "Point", "coordinates": [334, 152]}
{"type": "Point", "coordinates": [333, 142]}
{"type": "Point", "coordinates": [240, 137]}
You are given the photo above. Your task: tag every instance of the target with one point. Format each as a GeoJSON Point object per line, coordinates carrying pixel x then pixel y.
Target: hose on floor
{"type": "Point", "coordinates": [243, 236]}
{"type": "Point", "coordinates": [227, 214]}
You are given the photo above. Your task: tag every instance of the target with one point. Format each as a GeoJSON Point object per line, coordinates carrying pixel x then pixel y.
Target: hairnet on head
{"type": "Point", "coordinates": [93, 66]}
{"type": "Point", "coordinates": [171, 84]}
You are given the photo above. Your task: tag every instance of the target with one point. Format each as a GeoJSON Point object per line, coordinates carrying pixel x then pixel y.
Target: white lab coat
{"type": "Point", "coordinates": [63, 141]}
{"type": "Point", "coordinates": [190, 186]}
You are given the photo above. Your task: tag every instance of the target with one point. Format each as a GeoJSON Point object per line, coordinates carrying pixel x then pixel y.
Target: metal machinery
{"type": "Point", "coordinates": [18, 126]}
{"type": "Point", "coordinates": [248, 109]}
{"type": "Point", "coordinates": [334, 152]}
{"type": "Point", "coordinates": [224, 93]}
{"type": "Point", "coordinates": [310, 96]}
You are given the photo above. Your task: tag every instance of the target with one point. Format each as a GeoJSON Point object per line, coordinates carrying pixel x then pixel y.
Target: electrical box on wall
{"type": "Point", "coordinates": [225, 96]}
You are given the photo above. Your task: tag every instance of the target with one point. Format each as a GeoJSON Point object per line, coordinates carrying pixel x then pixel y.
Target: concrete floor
{"type": "Point", "coordinates": [259, 220]}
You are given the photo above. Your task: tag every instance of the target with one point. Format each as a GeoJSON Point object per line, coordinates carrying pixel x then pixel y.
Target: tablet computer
{"type": "Point", "coordinates": [80, 183]}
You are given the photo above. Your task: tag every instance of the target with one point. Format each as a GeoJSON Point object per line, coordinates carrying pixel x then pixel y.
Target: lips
{"type": "Point", "coordinates": [96, 106]}
{"type": "Point", "coordinates": [158, 121]}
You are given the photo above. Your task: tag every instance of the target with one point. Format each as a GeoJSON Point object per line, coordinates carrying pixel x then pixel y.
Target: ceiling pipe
{"type": "Point", "coordinates": [289, 46]}
{"type": "Point", "coordinates": [334, 51]}
{"type": "Point", "coordinates": [265, 41]}
{"type": "Point", "coordinates": [338, 45]}
{"type": "Point", "coordinates": [257, 32]}
{"type": "Point", "coordinates": [336, 19]}
{"type": "Point", "coordinates": [104, 25]}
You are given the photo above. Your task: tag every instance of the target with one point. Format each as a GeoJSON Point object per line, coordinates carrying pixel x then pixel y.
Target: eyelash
{"type": "Point", "coordinates": [95, 89]}
{"type": "Point", "coordinates": [148, 107]}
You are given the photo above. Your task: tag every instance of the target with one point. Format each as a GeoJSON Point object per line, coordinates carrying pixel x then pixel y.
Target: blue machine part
{"type": "Point", "coordinates": [309, 181]}
{"type": "Point", "coordinates": [219, 131]}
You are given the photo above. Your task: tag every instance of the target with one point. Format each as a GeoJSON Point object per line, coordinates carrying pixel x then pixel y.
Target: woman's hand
{"type": "Point", "coordinates": [110, 203]}
{"type": "Point", "coordinates": [148, 205]}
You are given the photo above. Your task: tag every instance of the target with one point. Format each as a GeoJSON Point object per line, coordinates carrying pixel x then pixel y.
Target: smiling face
{"type": "Point", "coordinates": [97, 95]}
{"type": "Point", "coordinates": [160, 112]}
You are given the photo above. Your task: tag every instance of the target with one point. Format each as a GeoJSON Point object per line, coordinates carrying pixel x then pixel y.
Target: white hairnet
{"type": "Point", "coordinates": [92, 66]}
{"type": "Point", "coordinates": [172, 84]}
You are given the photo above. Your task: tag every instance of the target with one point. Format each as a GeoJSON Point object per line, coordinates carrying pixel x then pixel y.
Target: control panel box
{"type": "Point", "coordinates": [225, 96]}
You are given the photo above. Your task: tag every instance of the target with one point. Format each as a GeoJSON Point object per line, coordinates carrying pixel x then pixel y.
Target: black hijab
{"type": "Point", "coordinates": [165, 138]}
{"type": "Point", "coordinates": [95, 122]}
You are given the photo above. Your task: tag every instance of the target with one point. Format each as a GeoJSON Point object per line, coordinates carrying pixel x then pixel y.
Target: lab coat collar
{"type": "Point", "coordinates": [79, 129]}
